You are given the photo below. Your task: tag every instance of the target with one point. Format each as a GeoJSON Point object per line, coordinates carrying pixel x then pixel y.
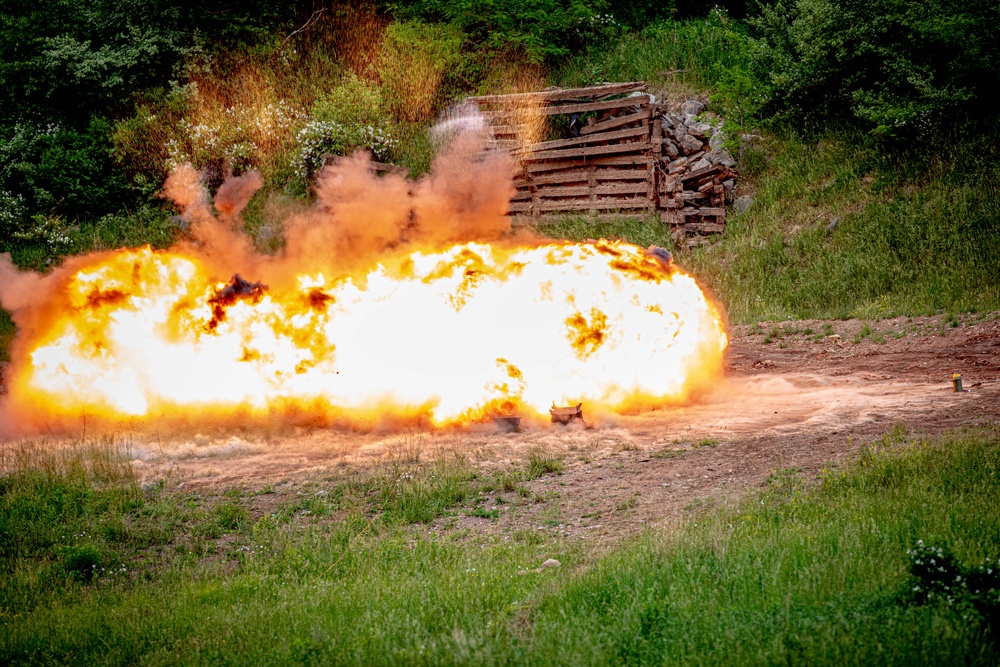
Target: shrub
{"type": "Point", "coordinates": [938, 577]}
{"type": "Point", "coordinates": [543, 30]}
{"type": "Point", "coordinates": [355, 101]}
{"type": "Point", "coordinates": [59, 169]}
{"type": "Point", "coordinates": [897, 69]}
{"type": "Point", "coordinates": [319, 138]}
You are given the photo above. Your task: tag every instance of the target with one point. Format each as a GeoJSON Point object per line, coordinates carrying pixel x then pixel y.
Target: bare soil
{"type": "Point", "coordinates": [796, 395]}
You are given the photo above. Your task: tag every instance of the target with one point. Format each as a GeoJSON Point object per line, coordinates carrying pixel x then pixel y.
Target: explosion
{"type": "Point", "coordinates": [392, 300]}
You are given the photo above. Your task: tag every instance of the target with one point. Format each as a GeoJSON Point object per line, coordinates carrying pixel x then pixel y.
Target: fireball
{"type": "Point", "coordinates": [455, 336]}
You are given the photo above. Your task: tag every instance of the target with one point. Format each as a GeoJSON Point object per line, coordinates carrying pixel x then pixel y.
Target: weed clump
{"type": "Point", "coordinates": [82, 563]}
{"type": "Point", "coordinates": [540, 463]}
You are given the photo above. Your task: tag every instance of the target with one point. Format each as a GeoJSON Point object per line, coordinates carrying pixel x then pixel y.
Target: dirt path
{"type": "Point", "coordinates": [796, 395]}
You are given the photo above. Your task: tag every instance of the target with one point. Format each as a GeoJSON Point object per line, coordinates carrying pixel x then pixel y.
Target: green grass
{"type": "Point", "coordinates": [540, 463]}
{"type": "Point", "coordinates": [691, 52]}
{"type": "Point", "coordinates": [640, 231]}
{"type": "Point", "coordinates": [809, 571]}
{"type": "Point", "coordinates": [900, 248]}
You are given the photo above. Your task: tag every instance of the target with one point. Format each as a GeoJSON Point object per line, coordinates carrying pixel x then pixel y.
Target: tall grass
{"type": "Point", "coordinates": [687, 55]}
{"type": "Point", "coordinates": [836, 232]}
{"type": "Point", "coordinates": [806, 571]}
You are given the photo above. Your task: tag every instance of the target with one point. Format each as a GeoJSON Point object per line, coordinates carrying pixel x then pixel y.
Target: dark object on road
{"type": "Point", "coordinates": [566, 415]}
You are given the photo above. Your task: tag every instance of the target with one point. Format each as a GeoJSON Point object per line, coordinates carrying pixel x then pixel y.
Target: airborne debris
{"type": "Point", "coordinates": [238, 289]}
{"type": "Point", "coordinates": [566, 415]}
{"type": "Point", "coordinates": [661, 255]}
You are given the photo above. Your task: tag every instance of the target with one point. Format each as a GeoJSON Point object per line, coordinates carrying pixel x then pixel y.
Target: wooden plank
{"type": "Point", "coordinates": [586, 190]}
{"type": "Point", "coordinates": [584, 107]}
{"type": "Point", "coordinates": [586, 151]}
{"type": "Point", "coordinates": [687, 195]}
{"type": "Point", "coordinates": [701, 173]}
{"type": "Point", "coordinates": [613, 160]}
{"type": "Point", "coordinates": [579, 175]}
{"type": "Point", "coordinates": [582, 205]}
{"type": "Point", "coordinates": [704, 227]}
{"type": "Point", "coordinates": [581, 141]}
{"type": "Point", "coordinates": [696, 211]}
{"type": "Point", "coordinates": [549, 218]}
{"type": "Point", "coordinates": [616, 122]}
{"type": "Point", "coordinates": [564, 93]}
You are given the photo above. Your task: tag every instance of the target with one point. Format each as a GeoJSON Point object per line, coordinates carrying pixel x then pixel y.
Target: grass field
{"type": "Point", "coordinates": [99, 570]}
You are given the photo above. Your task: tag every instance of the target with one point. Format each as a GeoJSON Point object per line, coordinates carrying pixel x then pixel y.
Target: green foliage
{"type": "Point", "coordinates": [540, 463]}
{"type": "Point", "coordinates": [543, 30]}
{"type": "Point", "coordinates": [320, 138]}
{"type": "Point", "coordinates": [66, 61]}
{"type": "Point", "coordinates": [48, 499]}
{"type": "Point", "coordinates": [803, 573]}
{"type": "Point", "coordinates": [45, 239]}
{"type": "Point", "coordinates": [897, 69]}
{"type": "Point", "coordinates": [355, 101]}
{"type": "Point", "coordinates": [940, 578]}
{"type": "Point", "coordinates": [54, 169]}
{"type": "Point", "coordinates": [83, 562]}
{"type": "Point", "coordinates": [900, 247]}
{"type": "Point", "coordinates": [699, 51]}
{"type": "Point", "coordinates": [807, 571]}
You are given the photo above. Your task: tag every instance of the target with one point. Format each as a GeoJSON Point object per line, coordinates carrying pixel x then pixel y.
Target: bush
{"type": "Point", "coordinates": [543, 30]}
{"type": "Point", "coordinates": [319, 138]}
{"type": "Point", "coordinates": [355, 101]}
{"type": "Point", "coordinates": [56, 169]}
{"type": "Point", "coordinates": [896, 69]}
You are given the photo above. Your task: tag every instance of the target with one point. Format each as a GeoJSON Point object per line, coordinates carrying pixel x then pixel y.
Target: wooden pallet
{"type": "Point", "coordinates": [617, 163]}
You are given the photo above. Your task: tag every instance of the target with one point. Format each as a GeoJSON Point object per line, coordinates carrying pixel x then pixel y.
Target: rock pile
{"type": "Point", "coordinates": [699, 176]}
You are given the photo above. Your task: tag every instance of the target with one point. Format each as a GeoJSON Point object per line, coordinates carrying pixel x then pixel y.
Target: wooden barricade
{"type": "Point", "coordinates": [618, 160]}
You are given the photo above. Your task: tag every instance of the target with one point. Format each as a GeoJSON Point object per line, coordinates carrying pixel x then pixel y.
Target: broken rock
{"type": "Point", "coordinates": [692, 107]}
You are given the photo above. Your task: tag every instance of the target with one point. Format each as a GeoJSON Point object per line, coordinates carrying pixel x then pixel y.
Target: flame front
{"type": "Point", "coordinates": [449, 337]}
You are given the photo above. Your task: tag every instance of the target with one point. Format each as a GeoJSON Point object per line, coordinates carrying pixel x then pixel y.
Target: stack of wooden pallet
{"type": "Point", "coordinates": [625, 154]}
{"type": "Point", "coordinates": [608, 167]}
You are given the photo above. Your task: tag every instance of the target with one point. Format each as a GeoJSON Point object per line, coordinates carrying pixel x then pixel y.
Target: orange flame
{"type": "Point", "coordinates": [457, 335]}
{"type": "Point", "coordinates": [443, 335]}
